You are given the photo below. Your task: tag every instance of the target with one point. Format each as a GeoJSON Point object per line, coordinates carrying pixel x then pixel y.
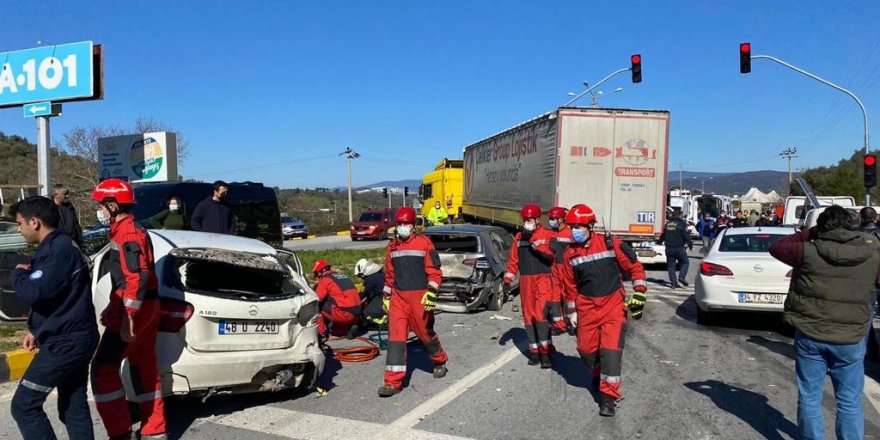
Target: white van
{"type": "Point", "coordinates": [796, 209]}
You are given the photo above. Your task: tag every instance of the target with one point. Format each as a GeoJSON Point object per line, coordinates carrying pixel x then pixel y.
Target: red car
{"type": "Point", "coordinates": [372, 224]}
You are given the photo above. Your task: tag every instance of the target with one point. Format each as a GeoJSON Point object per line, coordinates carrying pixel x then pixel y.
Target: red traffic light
{"type": "Point", "coordinates": [870, 160]}
{"type": "Point", "coordinates": [636, 59]}
{"type": "Point", "coordinates": [745, 47]}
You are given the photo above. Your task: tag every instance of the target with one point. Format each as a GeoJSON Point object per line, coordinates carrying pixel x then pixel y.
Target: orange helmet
{"type": "Point", "coordinates": [557, 213]}
{"type": "Point", "coordinates": [319, 266]}
{"type": "Point", "coordinates": [118, 190]}
{"type": "Point", "coordinates": [530, 211]}
{"type": "Point", "coordinates": [580, 215]}
{"type": "Point", "coordinates": [405, 215]}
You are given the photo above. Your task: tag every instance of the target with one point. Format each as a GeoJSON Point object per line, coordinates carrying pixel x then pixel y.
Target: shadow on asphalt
{"type": "Point", "coordinates": [749, 406]}
{"type": "Point", "coordinates": [517, 336]}
{"type": "Point", "coordinates": [183, 412]}
{"type": "Point", "coordinates": [572, 369]}
{"type": "Point", "coordinates": [778, 347]}
{"type": "Point", "coordinates": [772, 322]}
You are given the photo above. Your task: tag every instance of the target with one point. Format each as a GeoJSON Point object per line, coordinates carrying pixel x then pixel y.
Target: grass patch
{"type": "Point", "coordinates": [343, 260]}
{"type": "Point", "coordinates": [11, 337]}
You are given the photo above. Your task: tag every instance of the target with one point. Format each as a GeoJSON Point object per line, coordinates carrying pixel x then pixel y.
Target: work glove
{"type": "Point", "coordinates": [386, 304]}
{"type": "Point", "coordinates": [380, 321]}
{"type": "Point", "coordinates": [508, 277]}
{"type": "Point", "coordinates": [636, 304]}
{"type": "Point", "coordinates": [573, 320]}
{"type": "Point", "coordinates": [429, 301]}
{"type": "Point", "coordinates": [570, 326]}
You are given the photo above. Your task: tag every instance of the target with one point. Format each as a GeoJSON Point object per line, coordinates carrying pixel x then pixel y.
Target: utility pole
{"type": "Point", "coordinates": [349, 155]}
{"type": "Point", "coordinates": [789, 153]}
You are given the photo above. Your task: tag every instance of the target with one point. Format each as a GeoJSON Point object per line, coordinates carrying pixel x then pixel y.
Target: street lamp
{"type": "Point", "coordinates": [595, 96]}
{"type": "Point", "coordinates": [349, 155]}
{"type": "Point", "coordinates": [680, 179]}
{"type": "Point", "coordinates": [703, 183]}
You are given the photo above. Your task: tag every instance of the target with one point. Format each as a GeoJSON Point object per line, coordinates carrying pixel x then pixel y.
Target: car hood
{"type": "Point", "coordinates": [366, 223]}
{"type": "Point", "coordinates": [208, 240]}
{"type": "Point", "coordinates": [246, 259]}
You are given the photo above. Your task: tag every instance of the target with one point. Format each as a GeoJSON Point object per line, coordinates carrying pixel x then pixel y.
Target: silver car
{"type": "Point", "coordinates": [473, 259]}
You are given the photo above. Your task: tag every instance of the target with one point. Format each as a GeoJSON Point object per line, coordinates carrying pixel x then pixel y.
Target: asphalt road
{"type": "Point", "coordinates": [332, 242]}
{"type": "Point", "coordinates": [681, 381]}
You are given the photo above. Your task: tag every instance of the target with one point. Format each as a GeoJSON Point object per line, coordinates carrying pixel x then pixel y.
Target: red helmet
{"type": "Point", "coordinates": [117, 189]}
{"type": "Point", "coordinates": [530, 211]}
{"type": "Point", "coordinates": [405, 215]}
{"type": "Point", "coordinates": [580, 215]}
{"type": "Point", "coordinates": [319, 266]}
{"type": "Point", "coordinates": [557, 213]}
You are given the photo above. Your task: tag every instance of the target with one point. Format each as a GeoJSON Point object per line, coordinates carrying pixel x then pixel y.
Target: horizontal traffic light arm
{"type": "Point", "coordinates": [827, 83]}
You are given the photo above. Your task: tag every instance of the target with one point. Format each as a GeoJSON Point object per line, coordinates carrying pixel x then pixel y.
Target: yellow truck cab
{"type": "Point", "coordinates": [445, 185]}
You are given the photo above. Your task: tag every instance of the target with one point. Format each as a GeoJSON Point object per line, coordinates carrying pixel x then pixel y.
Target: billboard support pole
{"type": "Point", "coordinates": [43, 154]}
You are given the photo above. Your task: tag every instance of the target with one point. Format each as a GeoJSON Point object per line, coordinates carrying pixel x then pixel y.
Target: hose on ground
{"type": "Point", "coordinates": [367, 351]}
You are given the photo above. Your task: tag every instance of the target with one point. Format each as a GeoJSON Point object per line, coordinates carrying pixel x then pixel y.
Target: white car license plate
{"type": "Point", "coordinates": [247, 327]}
{"type": "Point", "coordinates": [761, 298]}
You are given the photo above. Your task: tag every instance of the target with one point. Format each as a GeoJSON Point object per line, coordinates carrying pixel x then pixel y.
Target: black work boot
{"type": "Point", "coordinates": [387, 391]}
{"type": "Point", "coordinates": [353, 332]}
{"type": "Point", "coordinates": [545, 360]}
{"type": "Point", "coordinates": [440, 371]}
{"type": "Point", "coordinates": [533, 359]}
{"type": "Point", "coordinates": [608, 406]}
{"type": "Point", "coordinates": [683, 282]}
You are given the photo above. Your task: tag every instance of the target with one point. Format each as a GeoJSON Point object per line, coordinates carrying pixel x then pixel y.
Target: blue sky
{"type": "Point", "coordinates": [272, 91]}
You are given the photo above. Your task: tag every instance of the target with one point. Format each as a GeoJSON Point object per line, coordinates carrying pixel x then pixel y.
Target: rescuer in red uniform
{"type": "Point", "coordinates": [412, 279]}
{"type": "Point", "coordinates": [532, 257]}
{"type": "Point", "coordinates": [559, 311]}
{"type": "Point", "coordinates": [593, 282]}
{"type": "Point", "coordinates": [131, 320]}
{"type": "Point", "coordinates": [339, 299]}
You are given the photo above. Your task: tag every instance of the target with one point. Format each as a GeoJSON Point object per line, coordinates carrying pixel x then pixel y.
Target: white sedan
{"type": "Point", "coordinates": [236, 315]}
{"type": "Point", "coordinates": [739, 274]}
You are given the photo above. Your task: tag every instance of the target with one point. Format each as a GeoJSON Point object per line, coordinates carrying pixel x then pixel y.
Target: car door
{"type": "Point", "coordinates": [11, 307]}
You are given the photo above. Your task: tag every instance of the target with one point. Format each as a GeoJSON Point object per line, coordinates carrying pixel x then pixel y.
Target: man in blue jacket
{"type": "Point", "coordinates": [706, 228]}
{"type": "Point", "coordinates": [62, 324]}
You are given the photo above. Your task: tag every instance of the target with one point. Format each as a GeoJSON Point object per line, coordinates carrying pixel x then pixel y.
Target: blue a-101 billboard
{"type": "Point", "coordinates": [49, 73]}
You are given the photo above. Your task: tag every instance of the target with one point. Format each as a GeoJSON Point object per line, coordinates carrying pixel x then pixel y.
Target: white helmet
{"type": "Point", "coordinates": [365, 268]}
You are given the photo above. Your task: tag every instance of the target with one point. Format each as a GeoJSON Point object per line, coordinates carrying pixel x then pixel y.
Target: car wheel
{"type": "Point", "coordinates": [497, 300]}
{"type": "Point", "coordinates": [354, 239]}
{"type": "Point", "coordinates": [705, 317]}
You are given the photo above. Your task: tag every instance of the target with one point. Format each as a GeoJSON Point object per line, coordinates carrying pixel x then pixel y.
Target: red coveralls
{"type": "Point", "coordinates": [560, 312]}
{"type": "Point", "coordinates": [340, 302]}
{"type": "Point", "coordinates": [135, 294]}
{"type": "Point", "coordinates": [412, 267]}
{"type": "Point", "coordinates": [592, 279]}
{"type": "Point", "coordinates": [531, 256]}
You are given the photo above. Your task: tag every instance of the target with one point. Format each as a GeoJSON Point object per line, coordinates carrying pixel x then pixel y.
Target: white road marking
{"type": "Point", "coordinates": [433, 404]}
{"type": "Point", "coordinates": [300, 425]}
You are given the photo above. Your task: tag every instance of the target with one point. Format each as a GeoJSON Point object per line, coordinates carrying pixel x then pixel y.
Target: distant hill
{"type": "Point", "coordinates": [732, 183]}
{"type": "Point", "coordinates": [412, 184]}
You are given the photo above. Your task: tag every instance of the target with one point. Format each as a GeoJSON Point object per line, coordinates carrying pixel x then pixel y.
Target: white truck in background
{"type": "Point", "coordinates": [614, 160]}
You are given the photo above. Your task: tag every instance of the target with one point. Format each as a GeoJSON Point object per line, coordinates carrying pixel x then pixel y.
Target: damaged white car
{"type": "Point", "coordinates": [237, 315]}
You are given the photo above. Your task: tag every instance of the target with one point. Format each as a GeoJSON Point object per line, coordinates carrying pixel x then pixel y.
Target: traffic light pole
{"type": "Point", "coordinates": [579, 96]}
{"type": "Point", "coordinates": [834, 86]}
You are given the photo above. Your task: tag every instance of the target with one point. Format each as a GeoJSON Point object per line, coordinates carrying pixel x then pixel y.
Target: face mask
{"type": "Point", "coordinates": [554, 224]}
{"type": "Point", "coordinates": [528, 226]}
{"type": "Point", "coordinates": [579, 235]}
{"type": "Point", "coordinates": [101, 219]}
{"type": "Point", "coordinates": [404, 231]}
{"type": "Point", "coordinates": [173, 207]}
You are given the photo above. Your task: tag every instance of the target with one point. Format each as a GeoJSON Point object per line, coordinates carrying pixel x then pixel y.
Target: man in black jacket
{"type": "Point", "coordinates": [828, 303]}
{"type": "Point", "coordinates": [213, 214]}
{"type": "Point", "coordinates": [676, 236]}
{"type": "Point", "coordinates": [61, 323]}
{"type": "Point", "coordinates": [69, 223]}
{"type": "Point", "coordinates": [867, 224]}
